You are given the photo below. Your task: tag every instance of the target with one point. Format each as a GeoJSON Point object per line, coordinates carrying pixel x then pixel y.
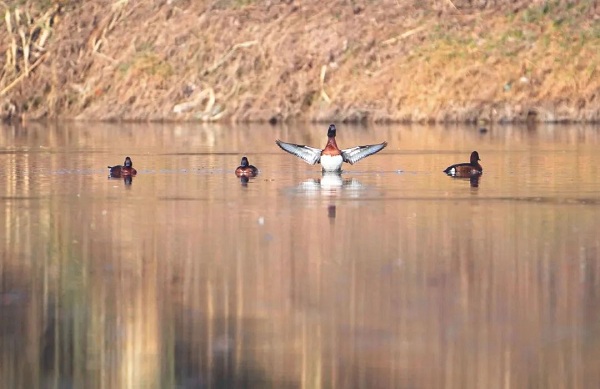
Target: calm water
{"type": "Point", "coordinates": [392, 276]}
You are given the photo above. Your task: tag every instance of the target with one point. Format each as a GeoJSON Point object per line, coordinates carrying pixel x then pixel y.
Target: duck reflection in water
{"type": "Point", "coordinates": [330, 187]}
{"type": "Point", "coordinates": [127, 179]}
{"type": "Point", "coordinates": [244, 180]}
{"type": "Point", "coordinates": [330, 184]}
{"type": "Point", "coordinates": [473, 180]}
{"type": "Point", "coordinates": [331, 211]}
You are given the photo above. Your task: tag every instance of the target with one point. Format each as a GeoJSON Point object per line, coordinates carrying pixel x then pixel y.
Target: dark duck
{"type": "Point", "coordinates": [123, 170]}
{"type": "Point", "coordinates": [466, 169]}
{"type": "Point", "coordinates": [245, 169]}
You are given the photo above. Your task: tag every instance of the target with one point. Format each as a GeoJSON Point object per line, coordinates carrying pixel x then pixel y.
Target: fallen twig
{"type": "Point", "coordinates": [207, 93]}
{"type": "Point", "coordinates": [451, 3]}
{"type": "Point", "coordinates": [322, 79]}
{"type": "Point", "coordinates": [25, 47]}
{"type": "Point", "coordinates": [106, 57]}
{"type": "Point", "coordinates": [404, 35]}
{"type": "Point", "coordinates": [229, 54]}
{"type": "Point", "coordinates": [23, 75]}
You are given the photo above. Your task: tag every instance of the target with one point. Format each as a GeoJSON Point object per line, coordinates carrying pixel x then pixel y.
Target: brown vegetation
{"type": "Point", "coordinates": [350, 60]}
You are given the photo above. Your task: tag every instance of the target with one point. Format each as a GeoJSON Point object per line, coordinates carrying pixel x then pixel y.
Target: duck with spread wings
{"type": "Point", "coordinates": [331, 157]}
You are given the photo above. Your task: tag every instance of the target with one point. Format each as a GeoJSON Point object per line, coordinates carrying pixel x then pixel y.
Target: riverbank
{"type": "Point", "coordinates": [236, 60]}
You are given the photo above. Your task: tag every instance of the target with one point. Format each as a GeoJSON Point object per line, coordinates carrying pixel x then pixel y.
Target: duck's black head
{"type": "Point", "coordinates": [128, 162]}
{"type": "Point", "coordinates": [331, 131]}
{"type": "Point", "coordinates": [244, 162]}
{"type": "Point", "coordinates": [475, 157]}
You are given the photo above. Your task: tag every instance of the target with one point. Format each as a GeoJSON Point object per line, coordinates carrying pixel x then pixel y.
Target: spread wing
{"type": "Point", "coordinates": [308, 154]}
{"type": "Point", "coordinates": [357, 153]}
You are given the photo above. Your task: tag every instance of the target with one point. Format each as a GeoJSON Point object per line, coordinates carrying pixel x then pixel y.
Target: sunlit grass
{"type": "Point", "coordinates": [265, 64]}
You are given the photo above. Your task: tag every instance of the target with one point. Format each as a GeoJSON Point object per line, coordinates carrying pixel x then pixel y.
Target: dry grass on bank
{"type": "Point", "coordinates": [283, 60]}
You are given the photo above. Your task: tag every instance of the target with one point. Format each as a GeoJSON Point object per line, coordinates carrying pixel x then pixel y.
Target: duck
{"type": "Point", "coordinates": [245, 169]}
{"type": "Point", "coordinates": [331, 157]}
{"type": "Point", "coordinates": [123, 170]}
{"type": "Point", "coordinates": [466, 169]}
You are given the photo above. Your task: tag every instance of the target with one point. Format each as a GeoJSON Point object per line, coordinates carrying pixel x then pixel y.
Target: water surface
{"type": "Point", "coordinates": [390, 276]}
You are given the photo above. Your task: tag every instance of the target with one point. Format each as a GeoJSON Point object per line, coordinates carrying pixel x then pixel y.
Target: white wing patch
{"type": "Point", "coordinates": [308, 154]}
{"type": "Point", "coordinates": [357, 153]}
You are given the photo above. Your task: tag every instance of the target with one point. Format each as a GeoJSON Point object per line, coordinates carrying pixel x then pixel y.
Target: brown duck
{"type": "Point", "coordinates": [466, 169]}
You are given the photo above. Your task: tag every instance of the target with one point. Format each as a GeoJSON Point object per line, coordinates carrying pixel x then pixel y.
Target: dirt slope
{"type": "Point", "coordinates": [342, 60]}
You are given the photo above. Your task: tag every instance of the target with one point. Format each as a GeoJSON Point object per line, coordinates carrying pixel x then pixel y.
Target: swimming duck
{"type": "Point", "coordinates": [331, 157]}
{"type": "Point", "coordinates": [125, 170]}
{"type": "Point", "coordinates": [466, 169]}
{"type": "Point", "coordinates": [245, 169]}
